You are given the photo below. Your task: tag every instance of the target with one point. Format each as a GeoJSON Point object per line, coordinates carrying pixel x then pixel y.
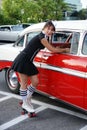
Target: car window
{"type": "Point", "coordinates": [4, 28]}
{"type": "Point", "coordinates": [74, 42]}
{"type": "Point", "coordinates": [31, 35]}
{"type": "Point", "coordinates": [17, 28]}
{"type": "Point", "coordinates": [20, 42]}
{"type": "Point", "coordinates": [60, 37]}
{"type": "Point", "coordinates": [1, 29]}
{"type": "Point", "coordinates": [84, 47]}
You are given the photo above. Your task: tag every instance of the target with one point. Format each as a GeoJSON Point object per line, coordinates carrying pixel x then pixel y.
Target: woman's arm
{"type": "Point", "coordinates": [52, 48]}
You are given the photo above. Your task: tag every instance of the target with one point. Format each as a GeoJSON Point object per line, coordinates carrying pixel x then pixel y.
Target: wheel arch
{"type": "Point", "coordinates": [12, 80]}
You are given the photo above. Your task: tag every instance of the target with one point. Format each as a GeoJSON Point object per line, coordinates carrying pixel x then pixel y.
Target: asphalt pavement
{"type": "Point", "coordinates": [51, 114]}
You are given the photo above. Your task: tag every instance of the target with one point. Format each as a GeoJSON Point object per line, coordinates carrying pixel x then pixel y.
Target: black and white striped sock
{"type": "Point", "coordinates": [23, 94]}
{"type": "Point", "coordinates": [31, 90]}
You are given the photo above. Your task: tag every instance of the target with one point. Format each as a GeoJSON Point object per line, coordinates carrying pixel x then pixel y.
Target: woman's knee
{"type": "Point", "coordinates": [34, 81]}
{"type": "Point", "coordinates": [23, 81]}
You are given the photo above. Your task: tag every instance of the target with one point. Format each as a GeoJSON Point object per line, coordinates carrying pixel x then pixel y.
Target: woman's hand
{"type": "Point", "coordinates": [61, 50]}
{"type": "Point", "coordinates": [67, 50]}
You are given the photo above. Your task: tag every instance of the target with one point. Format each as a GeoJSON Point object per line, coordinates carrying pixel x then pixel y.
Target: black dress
{"type": "Point", "coordinates": [23, 63]}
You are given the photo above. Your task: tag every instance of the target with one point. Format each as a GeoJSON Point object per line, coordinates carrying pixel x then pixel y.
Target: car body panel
{"type": "Point", "coordinates": [61, 80]}
{"type": "Point", "coordinates": [10, 36]}
{"type": "Point", "coordinates": [61, 75]}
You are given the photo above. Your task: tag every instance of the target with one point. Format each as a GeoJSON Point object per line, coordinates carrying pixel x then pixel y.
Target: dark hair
{"type": "Point", "coordinates": [49, 24]}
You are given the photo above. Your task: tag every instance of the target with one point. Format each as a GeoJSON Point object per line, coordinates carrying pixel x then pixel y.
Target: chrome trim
{"type": "Point", "coordinates": [62, 70]}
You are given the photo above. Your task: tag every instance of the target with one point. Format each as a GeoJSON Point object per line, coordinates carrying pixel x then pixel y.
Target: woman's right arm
{"type": "Point", "coordinates": [52, 48]}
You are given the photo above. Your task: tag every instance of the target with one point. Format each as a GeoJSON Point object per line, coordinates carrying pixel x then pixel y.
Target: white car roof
{"type": "Point", "coordinates": [74, 24]}
{"type": "Point", "coordinates": [70, 25]}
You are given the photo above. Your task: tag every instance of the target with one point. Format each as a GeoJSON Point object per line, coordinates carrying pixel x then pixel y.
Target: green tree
{"type": "Point", "coordinates": [60, 6]}
{"type": "Point", "coordinates": [14, 9]}
{"type": "Point", "coordinates": [32, 10]}
{"type": "Point", "coordinates": [82, 14]}
{"type": "Point", "coordinates": [1, 17]}
{"type": "Point", "coordinates": [51, 9]}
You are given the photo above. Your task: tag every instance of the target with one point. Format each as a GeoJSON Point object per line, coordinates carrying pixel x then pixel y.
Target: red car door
{"type": "Point", "coordinates": [62, 76]}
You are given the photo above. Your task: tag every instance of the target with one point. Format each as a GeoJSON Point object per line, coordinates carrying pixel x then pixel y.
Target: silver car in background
{"type": "Point", "coordinates": [10, 33]}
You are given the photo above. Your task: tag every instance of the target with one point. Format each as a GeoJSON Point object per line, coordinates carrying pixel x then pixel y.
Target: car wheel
{"type": "Point", "coordinates": [12, 81]}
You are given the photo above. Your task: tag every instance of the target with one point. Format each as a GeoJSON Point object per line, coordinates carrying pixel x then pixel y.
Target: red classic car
{"type": "Point", "coordinates": [63, 76]}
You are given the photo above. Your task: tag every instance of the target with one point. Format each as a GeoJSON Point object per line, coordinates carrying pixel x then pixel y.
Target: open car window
{"type": "Point", "coordinates": [60, 37]}
{"type": "Point", "coordinates": [66, 39]}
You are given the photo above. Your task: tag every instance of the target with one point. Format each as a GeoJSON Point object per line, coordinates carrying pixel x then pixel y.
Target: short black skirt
{"type": "Point", "coordinates": [23, 65]}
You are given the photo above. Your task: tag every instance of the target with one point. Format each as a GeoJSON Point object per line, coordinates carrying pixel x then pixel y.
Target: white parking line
{"type": "Point", "coordinates": [10, 94]}
{"type": "Point", "coordinates": [42, 107]}
{"type": "Point", "coordinates": [84, 128]}
{"type": "Point", "coordinates": [19, 119]}
{"type": "Point", "coordinates": [64, 110]}
{"type": "Point", "coordinates": [5, 98]}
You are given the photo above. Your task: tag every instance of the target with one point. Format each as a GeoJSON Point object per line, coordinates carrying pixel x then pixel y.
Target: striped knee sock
{"type": "Point", "coordinates": [23, 94]}
{"type": "Point", "coordinates": [31, 90]}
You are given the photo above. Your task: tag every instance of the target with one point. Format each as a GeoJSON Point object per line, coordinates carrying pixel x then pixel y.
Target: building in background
{"type": "Point", "coordinates": [75, 6]}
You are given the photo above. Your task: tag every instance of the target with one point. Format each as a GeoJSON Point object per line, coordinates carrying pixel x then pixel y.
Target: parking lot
{"type": "Point", "coordinates": [50, 114]}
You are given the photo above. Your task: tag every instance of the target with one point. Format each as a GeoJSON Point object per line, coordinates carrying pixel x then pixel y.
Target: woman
{"type": "Point", "coordinates": [23, 64]}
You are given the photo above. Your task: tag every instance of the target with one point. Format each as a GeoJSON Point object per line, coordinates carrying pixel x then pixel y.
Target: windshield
{"type": "Point", "coordinates": [17, 28]}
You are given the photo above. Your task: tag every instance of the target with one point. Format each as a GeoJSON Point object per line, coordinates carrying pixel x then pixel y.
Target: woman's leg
{"type": "Point", "coordinates": [23, 88]}
{"type": "Point", "coordinates": [32, 87]}
{"type": "Point", "coordinates": [34, 82]}
{"type": "Point", "coordinates": [23, 81]}
{"type": "Point", "coordinates": [23, 92]}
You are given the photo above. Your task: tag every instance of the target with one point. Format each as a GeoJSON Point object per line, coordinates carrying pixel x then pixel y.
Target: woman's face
{"type": "Point", "coordinates": [49, 30]}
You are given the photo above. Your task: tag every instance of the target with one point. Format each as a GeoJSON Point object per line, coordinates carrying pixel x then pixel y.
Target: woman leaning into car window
{"type": "Point", "coordinates": [23, 63]}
